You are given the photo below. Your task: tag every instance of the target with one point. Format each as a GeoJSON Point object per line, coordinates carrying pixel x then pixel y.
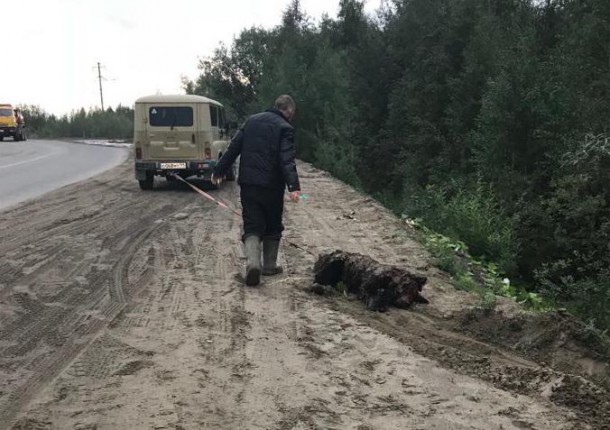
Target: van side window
{"type": "Point", "coordinates": [214, 115]}
{"type": "Point", "coordinates": [171, 116]}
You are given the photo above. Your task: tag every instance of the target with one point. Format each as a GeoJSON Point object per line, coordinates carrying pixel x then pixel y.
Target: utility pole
{"type": "Point", "coordinates": [99, 76]}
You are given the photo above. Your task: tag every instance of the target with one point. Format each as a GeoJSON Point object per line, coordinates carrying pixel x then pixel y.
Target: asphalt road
{"type": "Point", "coordinates": [35, 167]}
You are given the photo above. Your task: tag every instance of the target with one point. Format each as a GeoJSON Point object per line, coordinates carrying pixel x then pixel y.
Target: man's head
{"type": "Point", "coordinates": [286, 105]}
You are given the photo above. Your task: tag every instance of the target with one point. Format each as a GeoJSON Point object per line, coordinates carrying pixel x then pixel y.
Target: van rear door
{"type": "Point", "coordinates": [171, 132]}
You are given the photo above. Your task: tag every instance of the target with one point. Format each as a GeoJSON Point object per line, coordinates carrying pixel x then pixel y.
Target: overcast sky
{"type": "Point", "coordinates": [145, 46]}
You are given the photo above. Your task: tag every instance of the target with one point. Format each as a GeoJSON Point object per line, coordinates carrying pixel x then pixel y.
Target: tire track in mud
{"type": "Point", "coordinates": [120, 271]}
{"type": "Point", "coordinates": [187, 282]}
{"type": "Point", "coordinates": [43, 231]}
{"type": "Point", "coordinates": [78, 331]}
{"type": "Point", "coordinates": [45, 336]}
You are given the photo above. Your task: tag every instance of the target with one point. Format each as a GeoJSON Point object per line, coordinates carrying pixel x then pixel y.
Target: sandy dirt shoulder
{"type": "Point", "coordinates": [121, 309]}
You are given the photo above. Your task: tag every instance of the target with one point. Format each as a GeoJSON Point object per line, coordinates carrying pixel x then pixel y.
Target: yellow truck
{"type": "Point", "coordinates": [181, 135]}
{"type": "Point", "coordinates": [12, 123]}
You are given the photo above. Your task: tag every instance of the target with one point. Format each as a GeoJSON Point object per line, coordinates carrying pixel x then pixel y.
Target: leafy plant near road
{"type": "Point", "coordinates": [470, 274]}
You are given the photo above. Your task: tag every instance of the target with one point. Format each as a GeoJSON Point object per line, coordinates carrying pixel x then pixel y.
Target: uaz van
{"type": "Point", "coordinates": [180, 134]}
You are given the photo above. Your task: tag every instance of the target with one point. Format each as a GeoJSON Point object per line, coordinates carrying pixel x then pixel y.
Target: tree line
{"type": "Point", "coordinates": [111, 123]}
{"type": "Point", "coordinates": [488, 120]}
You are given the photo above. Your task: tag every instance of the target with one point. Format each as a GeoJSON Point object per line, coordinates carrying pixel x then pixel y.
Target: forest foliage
{"type": "Point", "coordinates": [111, 123]}
{"type": "Point", "coordinates": [486, 120]}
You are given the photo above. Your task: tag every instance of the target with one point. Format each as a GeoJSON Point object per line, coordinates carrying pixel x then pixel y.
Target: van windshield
{"type": "Point", "coordinates": [171, 116]}
{"type": "Point", "coordinates": [6, 112]}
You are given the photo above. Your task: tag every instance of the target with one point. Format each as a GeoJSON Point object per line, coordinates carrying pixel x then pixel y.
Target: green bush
{"type": "Point", "coordinates": [589, 298]}
{"type": "Point", "coordinates": [472, 216]}
{"type": "Point", "coordinates": [443, 250]}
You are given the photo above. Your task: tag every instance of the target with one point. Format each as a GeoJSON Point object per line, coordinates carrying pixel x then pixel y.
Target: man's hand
{"type": "Point", "coordinates": [216, 181]}
{"type": "Point", "coordinates": [295, 196]}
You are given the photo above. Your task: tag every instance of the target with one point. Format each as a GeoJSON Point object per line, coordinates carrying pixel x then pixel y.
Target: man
{"type": "Point", "coordinates": [266, 167]}
{"type": "Point", "coordinates": [19, 121]}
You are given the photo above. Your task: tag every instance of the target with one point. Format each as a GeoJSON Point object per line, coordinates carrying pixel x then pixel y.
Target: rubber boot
{"type": "Point", "coordinates": [270, 250]}
{"type": "Point", "coordinates": [252, 248]}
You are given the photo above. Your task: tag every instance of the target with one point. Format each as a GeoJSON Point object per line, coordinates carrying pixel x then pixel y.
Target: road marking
{"type": "Point", "coordinates": [28, 160]}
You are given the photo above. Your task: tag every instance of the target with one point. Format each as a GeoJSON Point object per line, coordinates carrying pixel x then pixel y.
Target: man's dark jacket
{"type": "Point", "coordinates": [266, 145]}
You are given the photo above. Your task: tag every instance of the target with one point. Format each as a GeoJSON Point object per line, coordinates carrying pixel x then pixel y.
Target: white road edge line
{"type": "Point", "coordinates": [28, 161]}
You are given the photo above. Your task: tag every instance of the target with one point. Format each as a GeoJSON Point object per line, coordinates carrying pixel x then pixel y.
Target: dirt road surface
{"type": "Point", "coordinates": [120, 309]}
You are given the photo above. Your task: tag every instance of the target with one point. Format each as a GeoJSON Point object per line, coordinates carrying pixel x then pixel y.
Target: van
{"type": "Point", "coordinates": [181, 135]}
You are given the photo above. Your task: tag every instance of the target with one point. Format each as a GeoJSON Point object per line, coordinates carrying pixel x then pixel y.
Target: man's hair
{"type": "Point", "coordinates": [285, 102]}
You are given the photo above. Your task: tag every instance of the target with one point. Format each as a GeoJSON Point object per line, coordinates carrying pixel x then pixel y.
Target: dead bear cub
{"type": "Point", "coordinates": [379, 286]}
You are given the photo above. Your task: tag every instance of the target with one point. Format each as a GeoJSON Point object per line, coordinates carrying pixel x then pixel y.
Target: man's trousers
{"type": "Point", "coordinates": [262, 210]}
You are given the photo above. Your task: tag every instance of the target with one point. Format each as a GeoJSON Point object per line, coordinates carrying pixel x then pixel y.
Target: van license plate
{"type": "Point", "coordinates": [173, 165]}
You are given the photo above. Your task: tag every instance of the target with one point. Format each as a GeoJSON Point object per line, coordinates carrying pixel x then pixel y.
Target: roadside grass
{"type": "Point", "coordinates": [484, 279]}
{"type": "Point", "coordinates": [474, 275]}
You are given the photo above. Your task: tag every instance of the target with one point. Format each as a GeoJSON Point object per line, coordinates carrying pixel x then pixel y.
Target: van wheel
{"type": "Point", "coordinates": [147, 184]}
